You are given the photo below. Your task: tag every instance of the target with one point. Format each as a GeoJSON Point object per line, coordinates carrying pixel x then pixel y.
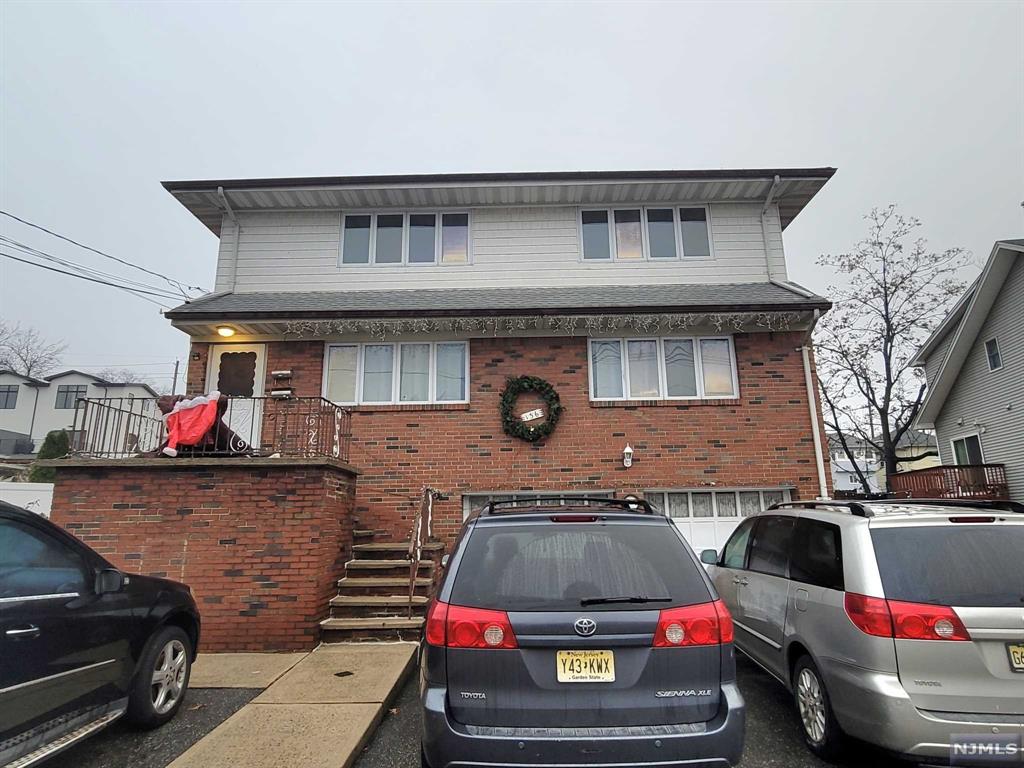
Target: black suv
{"type": "Point", "coordinates": [82, 643]}
{"type": "Point", "coordinates": [577, 633]}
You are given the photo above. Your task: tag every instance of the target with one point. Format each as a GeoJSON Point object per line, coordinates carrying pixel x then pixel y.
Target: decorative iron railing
{"type": "Point", "coordinates": [118, 427]}
{"type": "Point", "coordinates": [964, 481]}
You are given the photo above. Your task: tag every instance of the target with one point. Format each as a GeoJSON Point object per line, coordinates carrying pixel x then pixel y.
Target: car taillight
{"type": "Point", "coordinates": [904, 621]}
{"type": "Point", "coordinates": [916, 621]}
{"type": "Point", "coordinates": [455, 626]}
{"type": "Point", "coordinates": [574, 518]}
{"type": "Point", "coordinates": [436, 618]}
{"type": "Point", "coordinates": [704, 624]}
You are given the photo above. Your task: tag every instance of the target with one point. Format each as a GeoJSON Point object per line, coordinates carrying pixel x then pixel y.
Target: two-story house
{"type": "Point", "coordinates": [656, 306]}
{"type": "Point", "coordinates": [32, 407]}
{"type": "Point", "coordinates": [975, 372]}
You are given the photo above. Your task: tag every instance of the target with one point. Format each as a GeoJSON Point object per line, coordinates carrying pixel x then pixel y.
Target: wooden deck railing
{"type": "Point", "coordinates": [964, 481]}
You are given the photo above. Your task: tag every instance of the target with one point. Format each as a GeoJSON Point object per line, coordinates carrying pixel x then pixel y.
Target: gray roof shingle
{"type": "Point", "coordinates": [506, 301]}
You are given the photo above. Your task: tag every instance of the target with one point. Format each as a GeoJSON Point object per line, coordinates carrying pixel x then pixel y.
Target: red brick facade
{"type": "Point", "coordinates": [761, 439]}
{"type": "Point", "coordinates": [260, 542]}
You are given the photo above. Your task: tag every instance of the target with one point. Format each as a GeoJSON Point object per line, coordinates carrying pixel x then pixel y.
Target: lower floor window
{"type": "Point", "coordinates": [671, 368]}
{"type": "Point", "coordinates": [705, 504]}
{"type": "Point", "coordinates": [415, 372]}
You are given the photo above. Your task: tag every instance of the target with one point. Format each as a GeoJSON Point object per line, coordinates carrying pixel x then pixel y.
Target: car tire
{"type": "Point", "coordinates": [161, 678]}
{"type": "Point", "coordinates": [818, 723]}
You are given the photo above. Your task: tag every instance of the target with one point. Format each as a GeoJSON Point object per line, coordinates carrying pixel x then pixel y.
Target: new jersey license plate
{"type": "Point", "coordinates": [585, 666]}
{"type": "Point", "coordinates": [1016, 653]}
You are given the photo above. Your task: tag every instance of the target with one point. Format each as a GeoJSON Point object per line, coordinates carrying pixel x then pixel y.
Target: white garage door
{"type": "Point", "coordinates": [707, 518]}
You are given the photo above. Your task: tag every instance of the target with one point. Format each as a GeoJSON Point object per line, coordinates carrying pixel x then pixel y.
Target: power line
{"type": "Point", "coordinates": [23, 248]}
{"type": "Point", "coordinates": [171, 281]}
{"type": "Point", "coordinates": [135, 291]}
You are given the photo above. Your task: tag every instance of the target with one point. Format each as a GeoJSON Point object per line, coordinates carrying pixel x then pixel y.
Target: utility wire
{"type": "Point", "coordinates": [171, 281]}
{"type": "Point", "coordinates": [138, 292]}
{"type": "Point", "coordinates": [23, 248]}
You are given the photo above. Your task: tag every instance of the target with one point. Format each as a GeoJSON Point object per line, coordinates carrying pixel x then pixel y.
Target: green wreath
{"type": "Point", "coordinates": [512, 424]}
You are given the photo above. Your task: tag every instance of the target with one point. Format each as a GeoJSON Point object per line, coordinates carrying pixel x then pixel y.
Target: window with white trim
{"type": "Point", "coordinates": [995, 360]}
{"type": "Point", "coordinates": [405, 238]}
{"type": "Point", "coordinates": [404, 372]}
{"type": "Point", "coordinates": [645, 232]}
{"type": "Point", "coordinates": [675, 368]}
{"type": "Point", "coordinates": [698, 504]}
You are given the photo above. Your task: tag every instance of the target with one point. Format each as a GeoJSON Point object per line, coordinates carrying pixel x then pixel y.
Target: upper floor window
{"type": "Point", "coordinates": [633, 234]}
{"type": "Point", "coordinates": [413, 372]}
{"type": "Point", "coordinates": [669, 368]}
{"type": "Point", "coordinates": [995, 360]}
{"type": "Point", "coordinates": [69, 394]}
{"type": "Point", "coordinates": [405, 238]}
{"type": "Point", "coordinates": [967, 450]}
{"type": "Point", "coordinates": [8, 396]}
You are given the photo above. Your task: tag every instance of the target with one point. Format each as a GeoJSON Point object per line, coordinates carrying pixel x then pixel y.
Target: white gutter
{"type": "Point", "coordinates": [819, 454]}
{"type": "Point", "coordinates": [238, 233]}
{"type": "Point", "coordinates": [764, 224]}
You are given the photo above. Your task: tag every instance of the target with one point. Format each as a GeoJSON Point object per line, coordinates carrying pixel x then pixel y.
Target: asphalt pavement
{"type": "Point", "coordinates": [122, 746]}
{"type": "Point", "coordinates": [773, 737]}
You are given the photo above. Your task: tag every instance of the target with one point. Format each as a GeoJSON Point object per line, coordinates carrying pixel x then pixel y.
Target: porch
{"type": "Point", "coordinates": [963, 481]}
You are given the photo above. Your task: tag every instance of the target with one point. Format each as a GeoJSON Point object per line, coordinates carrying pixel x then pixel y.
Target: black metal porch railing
{"type": "Point", "coordinates": [120, 427]}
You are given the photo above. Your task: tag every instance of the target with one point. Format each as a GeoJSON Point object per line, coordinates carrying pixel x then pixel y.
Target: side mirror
{"type": "Point", "coordinates": [444, 561]}
{"type": "Point", "coordinates": [709, 557]}
{"type": "Point", "coordinates": [109, 581]}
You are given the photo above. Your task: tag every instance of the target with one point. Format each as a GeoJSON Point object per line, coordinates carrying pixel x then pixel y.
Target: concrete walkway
{"type": "Point", "coordinates": [319, 710]}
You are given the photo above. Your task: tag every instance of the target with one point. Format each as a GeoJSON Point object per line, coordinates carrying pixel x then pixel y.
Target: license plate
{"type": "Point", "coordinates": [1016, 653]}
{"type": "Point", "coordinates": [585, 666]}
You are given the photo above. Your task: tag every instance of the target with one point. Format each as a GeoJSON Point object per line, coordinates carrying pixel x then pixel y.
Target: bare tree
{"type": "Point", "coordinates": [125, 376]}
{"type": "Point", "coordinates": [893, 291]}
{"type": "Point", "coordinates": [27, 351]}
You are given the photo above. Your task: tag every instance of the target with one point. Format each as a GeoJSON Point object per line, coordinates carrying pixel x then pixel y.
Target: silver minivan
{"type": "Point", "coordinates": [896, 622]}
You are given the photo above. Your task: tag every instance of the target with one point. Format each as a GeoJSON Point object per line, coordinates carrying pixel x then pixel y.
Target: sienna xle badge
{"type": "Point", "coordinates": [583, 633]}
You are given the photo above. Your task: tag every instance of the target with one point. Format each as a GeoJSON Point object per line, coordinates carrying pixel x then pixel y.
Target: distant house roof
{"type": "Point", "coordinates": [794, 190]}
{"type": "Point", "coordinates": [965, 321]}
{"type": "Point", "coordinates": [29, 379]}
{"type": "Point", "coordinates": [505, 301]}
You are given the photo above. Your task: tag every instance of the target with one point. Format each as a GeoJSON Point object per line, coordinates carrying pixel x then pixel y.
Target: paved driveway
{"type": "Point", "coordinates": [773, 731]}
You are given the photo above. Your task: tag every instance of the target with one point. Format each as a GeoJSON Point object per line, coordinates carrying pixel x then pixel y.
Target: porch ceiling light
{"type": "Point", "coordinates": [225, 330]}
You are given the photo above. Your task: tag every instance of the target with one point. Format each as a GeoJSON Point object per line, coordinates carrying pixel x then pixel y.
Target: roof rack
{"type": "Point", "coordinates": [638, 506]}
{"type": "Point", "coordinates": [1001, 505]}
{"type": "Point", "coordinates": [855, 507]}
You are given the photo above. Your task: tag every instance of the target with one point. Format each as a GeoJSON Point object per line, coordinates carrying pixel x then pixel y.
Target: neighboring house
{"type": "Point", "coordinates": [915, 450]}
{"type": "Point", "coordinates": [657, 304]}
{"type": "Point", "coordinates": [974, 363]}
{"type": "Point", "coordinates": [31, 407]}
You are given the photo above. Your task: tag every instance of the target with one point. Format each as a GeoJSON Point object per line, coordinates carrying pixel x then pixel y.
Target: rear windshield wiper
{"type": "Point", "coordinates": [623, 599]}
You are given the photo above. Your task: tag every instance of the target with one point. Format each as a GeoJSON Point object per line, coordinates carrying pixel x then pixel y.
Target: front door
{"type": "Point", "coordinates": [238, 371]}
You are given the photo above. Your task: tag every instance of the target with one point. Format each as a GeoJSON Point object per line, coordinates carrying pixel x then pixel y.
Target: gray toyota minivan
{"type": "Point", "coordinates": [898, 622]}
{"type": "Point", "coordinates": [577, 632]}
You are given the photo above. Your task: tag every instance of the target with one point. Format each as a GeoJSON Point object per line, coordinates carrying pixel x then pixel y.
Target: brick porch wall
{"type": "Point", "coordinates": [762, 439]}
{"type": "Point", "coordinates": [260, 542]}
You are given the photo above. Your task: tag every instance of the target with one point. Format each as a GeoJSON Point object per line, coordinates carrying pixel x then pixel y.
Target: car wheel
{"type": "Point", "coordinates": [821, 730]}
{"type": "Point", "coordinates": [161, 679]}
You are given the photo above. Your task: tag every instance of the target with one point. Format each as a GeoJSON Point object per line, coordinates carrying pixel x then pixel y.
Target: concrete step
{"type": "Point", "coordinates": [394, 568]}
{"type": "Point", "coordinates": [384, 550]}
{"type": "Point", "coordinates": [381, 585]}
{"type": "Point", "coordinates": [386, 628]}
{"type": "Point", "coordinates": [378, 600]}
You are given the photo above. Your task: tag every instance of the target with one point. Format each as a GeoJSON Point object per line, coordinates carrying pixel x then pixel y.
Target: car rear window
{"type": "Point", "coordinates": [957, 565]}
{"type": "Point", "coordinates": [555, 566]}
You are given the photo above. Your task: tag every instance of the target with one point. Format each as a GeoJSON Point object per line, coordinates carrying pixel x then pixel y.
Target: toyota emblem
{"type": "Point", "coordinates": [585, 626]}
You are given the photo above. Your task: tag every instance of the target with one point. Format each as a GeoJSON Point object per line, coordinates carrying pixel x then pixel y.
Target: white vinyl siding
{"type": "Point", "coordinates": [673, 368]}
{"type": "Point", "coordinates": [521, 246]}
{"type": "Point", "coordinates": [404, 373]}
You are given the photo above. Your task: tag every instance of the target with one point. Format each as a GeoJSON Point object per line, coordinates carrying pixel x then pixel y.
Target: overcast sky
{"type": "Point", "coordinates": [921, 104]}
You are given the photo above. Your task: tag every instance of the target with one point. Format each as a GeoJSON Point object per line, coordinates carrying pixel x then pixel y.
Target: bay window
{"type": "Point", "coordinates": [662, 368]}
{"type": "Point", "coordinates": [413, 372]}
